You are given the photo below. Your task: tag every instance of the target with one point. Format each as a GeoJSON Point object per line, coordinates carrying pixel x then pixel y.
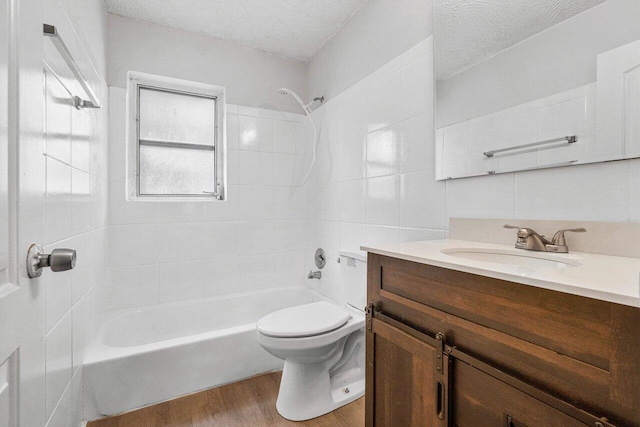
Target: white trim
{"type": "Point", "coordinates": [136, 79]}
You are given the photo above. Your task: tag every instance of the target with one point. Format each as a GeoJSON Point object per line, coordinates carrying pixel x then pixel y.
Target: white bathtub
{"type": "Point", "coordinates": [150, 355]}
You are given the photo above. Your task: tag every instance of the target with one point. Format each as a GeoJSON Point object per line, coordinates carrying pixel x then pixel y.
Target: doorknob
{"type": "Point", "coordinates": [57, 260]}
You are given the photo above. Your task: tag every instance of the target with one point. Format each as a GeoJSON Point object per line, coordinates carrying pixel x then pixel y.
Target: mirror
{"type": "Point", "coordinates": [524, 84]}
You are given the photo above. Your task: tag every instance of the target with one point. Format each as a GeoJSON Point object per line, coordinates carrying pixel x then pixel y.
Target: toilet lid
{"type": "Point", "coordinates": [303, 320]}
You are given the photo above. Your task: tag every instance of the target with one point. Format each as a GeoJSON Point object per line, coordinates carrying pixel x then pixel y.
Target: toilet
{"type": "Point", "coordinates": [322, 345]}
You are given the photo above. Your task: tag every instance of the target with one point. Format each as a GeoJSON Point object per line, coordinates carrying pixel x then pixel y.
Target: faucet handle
{"type": "Point", "coordinates": [524, 231]}
{"type": "Point", "coordinates": [521, 239]}
{"type": "Point", "coordinates": [558, 238]}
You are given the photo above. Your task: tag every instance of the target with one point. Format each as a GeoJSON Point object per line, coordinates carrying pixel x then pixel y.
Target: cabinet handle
{"type": "Point", "coordinates": [441, 400]}
{"type": "Point", "coordinates": [509, 421]}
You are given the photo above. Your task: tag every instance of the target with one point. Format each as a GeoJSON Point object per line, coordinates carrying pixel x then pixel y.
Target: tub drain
{"type": "Point", "coordinates": [345, 390]}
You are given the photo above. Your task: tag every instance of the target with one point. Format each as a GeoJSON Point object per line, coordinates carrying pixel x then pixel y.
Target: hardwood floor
{"type": "Point", "coordinates": [250, 402]}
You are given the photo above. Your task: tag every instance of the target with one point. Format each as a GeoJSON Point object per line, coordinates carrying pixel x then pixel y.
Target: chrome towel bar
{"type": "Point", "coordinates": [568, 139]}
{"type": "Point", "coordinates": [51, 32]}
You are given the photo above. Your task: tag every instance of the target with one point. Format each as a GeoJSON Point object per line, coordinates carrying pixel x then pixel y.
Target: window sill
{"type": "Point", "coordinates": [170, 199]}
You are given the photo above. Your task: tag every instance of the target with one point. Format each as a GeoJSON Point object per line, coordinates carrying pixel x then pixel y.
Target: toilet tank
{"type": "Point", "coordinates": [353, 278]}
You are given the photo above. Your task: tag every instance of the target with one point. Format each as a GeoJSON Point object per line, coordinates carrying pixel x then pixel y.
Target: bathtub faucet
{"type": "Point", "coordinates": [314, 275]}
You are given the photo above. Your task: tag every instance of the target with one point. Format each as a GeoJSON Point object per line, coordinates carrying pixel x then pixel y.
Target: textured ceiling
{"type": "Point", "coordinates": [291, 28]}
{"type": "Point", "coordinates": [469, 31]}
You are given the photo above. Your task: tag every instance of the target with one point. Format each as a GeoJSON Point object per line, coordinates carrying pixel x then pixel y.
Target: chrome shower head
{"type": "Point", "coordinates": [305, 107]}
{"type": "Point", "coordinates": [286, 91]}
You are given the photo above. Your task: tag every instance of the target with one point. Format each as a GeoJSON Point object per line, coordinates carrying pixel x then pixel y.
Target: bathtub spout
{"type": "Point", "coordinates": [314, 275]}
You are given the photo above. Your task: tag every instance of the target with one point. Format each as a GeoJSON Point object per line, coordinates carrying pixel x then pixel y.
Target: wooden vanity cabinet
{"type": "Point", "coordinates": [447, 348]}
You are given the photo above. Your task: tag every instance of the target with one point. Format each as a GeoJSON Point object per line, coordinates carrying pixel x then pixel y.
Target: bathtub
{"type": "Point", "coordinates": [162, 352]}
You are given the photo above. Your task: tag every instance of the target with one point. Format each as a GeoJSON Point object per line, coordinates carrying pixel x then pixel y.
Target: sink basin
{"type": "Point", "coordinates": [521, 258]}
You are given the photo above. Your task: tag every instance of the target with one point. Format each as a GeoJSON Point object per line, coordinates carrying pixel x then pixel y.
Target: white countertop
{"type": "Point", "coordinates": [608, 278]}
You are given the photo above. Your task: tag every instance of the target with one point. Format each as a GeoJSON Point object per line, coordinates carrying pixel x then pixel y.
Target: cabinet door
{"type": "Point", "coordinates": [406, 380]}
{"type": "Point", "coordinates": [484, 396]}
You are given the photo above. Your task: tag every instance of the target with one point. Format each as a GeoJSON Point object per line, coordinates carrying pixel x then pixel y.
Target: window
{"type": "Point", "coordinates": [175, 139]}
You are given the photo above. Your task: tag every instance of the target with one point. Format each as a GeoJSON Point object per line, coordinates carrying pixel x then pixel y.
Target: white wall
{"type": "Point", "coordinates": [558, 59]}
{"type": "Point", "coordinates": [62, 203]}
{"type": "Point", "coordinates": [165, 251]}
{"type": "Point", "coordinates": [460, 147]}
{"type": "Point", "coordinates": [172, 251]}
{"type": "Point", "coordinates": [374, 179]}
{"type": "Point", "coordinates": [250, 76]}
{"type": "Point", "coordinates": [379, 32]}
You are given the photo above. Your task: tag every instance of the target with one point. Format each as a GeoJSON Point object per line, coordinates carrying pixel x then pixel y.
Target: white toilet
{"type": "Point", "coordinates": [322, 345]}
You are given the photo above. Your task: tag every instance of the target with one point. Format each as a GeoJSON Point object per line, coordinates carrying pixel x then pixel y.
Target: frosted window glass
{"type": "Point", "coordinates": [176, 117]}
{"type": "Point", "coordinates": [170, 170]}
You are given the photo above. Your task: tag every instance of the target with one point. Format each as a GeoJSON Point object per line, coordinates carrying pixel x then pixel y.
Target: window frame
{"type": "Point", "coordinates": [137, 81]}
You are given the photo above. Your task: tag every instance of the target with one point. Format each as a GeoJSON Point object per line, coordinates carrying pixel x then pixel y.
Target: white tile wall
{"type": "Point", "coordinates": [81, 331]}
{"type": "Point", "coordinates": [481, 197]}
{"type": "Point", "coordinates": [59, 362]}
{"type": "Point", "coordinates": [182, 281]}
{"type": "Point", "coordinates": [256, 133]}
{"type": "Point", "coordinates": [421, 201]}
{"type": "Point", "coordinates": [133, 245]}
{"type": "Point", "coordinates": [562, 114]}
{"type": "Point", "coordinates": [74, 217]}
{"type": "Point", "coordinates": [383, 200]}
{"type": "Point", "coordinates": [165, 251]}
{"type": "Point", "coordinates": [380, 137]}
{"type": "Point", "coordinates": [226, 279]}
{"type": "Point", "coordinates": [58, 199]}
{"type": "Point", "coordinates": [353, 201]}
{"type": "Point", "coordinates": [595, 192]}
{"type": "Point", "coordinates": [133, 286]}
{"type": "Point", "coordinates": [383, 130]}
{"type": "Point", "coordinates": [57, 294]}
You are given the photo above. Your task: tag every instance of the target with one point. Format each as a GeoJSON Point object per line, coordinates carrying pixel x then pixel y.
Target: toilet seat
{"type": "Point", "coordinates": [303, 321]}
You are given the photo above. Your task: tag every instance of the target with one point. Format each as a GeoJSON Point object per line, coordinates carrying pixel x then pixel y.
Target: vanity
{"type": "Point", "coordinates": [473, 334]}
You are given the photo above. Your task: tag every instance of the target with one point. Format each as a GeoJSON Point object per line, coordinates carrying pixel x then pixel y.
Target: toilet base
{"type": "Point", "coordinates": [321, 373]}
{"type": "Point", "coordinates": [309, 391]}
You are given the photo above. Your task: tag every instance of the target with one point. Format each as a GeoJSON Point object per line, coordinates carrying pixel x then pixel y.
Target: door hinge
{"type": "Point", "coordinates": [441, 339]}
{"type": "Point", "coordinates": [369, 316]}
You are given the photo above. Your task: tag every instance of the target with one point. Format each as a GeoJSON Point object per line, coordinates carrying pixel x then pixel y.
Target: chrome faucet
{"type": "Point", "coordinates": [314, 275]}
{"type": "Point", "coordinates": [530, 240]}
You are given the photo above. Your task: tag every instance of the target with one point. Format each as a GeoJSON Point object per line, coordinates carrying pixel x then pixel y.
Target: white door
{"type": "Point", "coordinates": [9, 291]}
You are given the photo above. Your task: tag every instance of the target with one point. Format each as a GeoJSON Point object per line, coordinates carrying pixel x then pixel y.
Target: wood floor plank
{"type": "Point", "coordinates": [251, 402]}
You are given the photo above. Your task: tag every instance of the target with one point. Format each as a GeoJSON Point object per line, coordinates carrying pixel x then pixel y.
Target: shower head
{"type": "Point", "coordinates": [285, 91]}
